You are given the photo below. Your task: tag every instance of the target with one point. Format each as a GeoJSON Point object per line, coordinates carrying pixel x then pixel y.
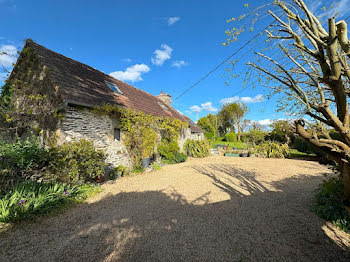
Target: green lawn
{"type": "Point", "coordinates": [239, 145]}
{"type": "Point", "coordinates": [295, 154]}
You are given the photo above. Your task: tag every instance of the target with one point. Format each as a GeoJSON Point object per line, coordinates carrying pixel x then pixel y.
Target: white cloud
{"type": "Point", "coordinates": [173, 20]}
{"type": "Point", "coordinates": [267, 121]}
{"type": "Point", "coordinates": [245, 99]}
{"type": "Point", "coordinates": [209, 107]}
{"type": "Point", "coordinates": [195, 108]}
{"type": "Point", "coordinates": [255, 99]}
{"type": "Point", "coordinates": [161, 55]}
{"type": "Point", "coordinates": [229, 100]}
{"type": "Point", "coordinates": [132, 73]}
{"type": "Point", "coordinates": [7, 55]}
{"type": "Point", "coordinates": [204, 107]}
{"type": "Point", "coordinates": [179, 63]}
{"type": "Point", "coordinates": [264, 122]}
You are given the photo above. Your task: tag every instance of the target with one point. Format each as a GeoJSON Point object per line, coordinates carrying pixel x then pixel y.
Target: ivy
{"type": "Point", "coordinates": [140, 130]}
{"type": "Point", "coordinates": [28, 98]}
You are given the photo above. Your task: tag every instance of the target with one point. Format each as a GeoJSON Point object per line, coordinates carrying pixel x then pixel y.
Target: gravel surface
{"type": "Point", "coordinates": [211, 209]}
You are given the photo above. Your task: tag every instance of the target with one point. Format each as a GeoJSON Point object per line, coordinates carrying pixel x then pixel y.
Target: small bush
{"type": "Point", "coordinates": [302, 146]}
{"type": "Point", "coordinates": [231, 137]}
{"type": "Point", "coordinates": [76, 161]}
{"type": "Point", "coordinates": [21, 160]}
{"type": "Point", "coordinates": [168, 150]}
{"type": "Point", "coordinates": [197, 148]}
{"type": "Point", "coordinates": [329, 203]}
{"type": "Point", "coordinates": [255, 136]}
{"type": "Point", "coordinates": [138, 169]}
{"type": "Point", "coordinates": [28, 199]}
{"type": "Point", "coordinates": [271, 149]}
{"type": "Point", "coordinates": [156, 166]}
{"type": "Point", "coordinates": [69, 162]}
{"type": "Point", "coordinates": [118, 172]}
{"type": "Point", "coordinates": [180, 157]}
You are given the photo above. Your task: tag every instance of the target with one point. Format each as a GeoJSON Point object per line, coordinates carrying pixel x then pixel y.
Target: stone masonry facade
{"type": "Point", "coordinates": [84, 124]}
{"type": "Point", "coordinates": [79, 123]}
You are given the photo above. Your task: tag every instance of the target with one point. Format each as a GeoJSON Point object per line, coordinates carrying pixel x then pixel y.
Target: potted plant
{"type": "Point", "coordinates": [100, 178]}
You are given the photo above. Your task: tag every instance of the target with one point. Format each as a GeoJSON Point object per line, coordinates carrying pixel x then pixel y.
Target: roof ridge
{"type": "Point", "coordinates": [31, 41]}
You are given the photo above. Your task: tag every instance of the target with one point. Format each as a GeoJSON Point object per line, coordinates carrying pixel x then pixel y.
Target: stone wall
{"type": "Point", "coordinates": [83, 124]}
{"type": "Point", "coordinates": [186, 134]}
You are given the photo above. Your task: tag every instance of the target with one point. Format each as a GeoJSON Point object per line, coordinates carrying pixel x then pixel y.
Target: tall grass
{"type": "Point", "coordinates": [28, 199]}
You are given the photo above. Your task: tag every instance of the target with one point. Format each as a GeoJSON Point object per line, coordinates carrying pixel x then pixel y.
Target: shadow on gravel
{"type": "Point", "coordinates": [154, 226]}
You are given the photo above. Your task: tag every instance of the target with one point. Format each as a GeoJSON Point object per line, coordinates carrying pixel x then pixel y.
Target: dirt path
{"type": "Point", "coordinates": [212, 209]}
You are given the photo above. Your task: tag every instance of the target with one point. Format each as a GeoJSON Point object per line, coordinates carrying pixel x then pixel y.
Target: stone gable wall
{"type": "Point", "coordinates": [84, 124]}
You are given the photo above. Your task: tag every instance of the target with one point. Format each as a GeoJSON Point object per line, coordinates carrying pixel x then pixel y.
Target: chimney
{"type": "Point", "coordinates": [165, 98]}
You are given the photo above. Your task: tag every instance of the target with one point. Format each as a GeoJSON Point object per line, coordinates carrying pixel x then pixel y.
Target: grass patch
{"type": "Point", "coordinates": [237, 144]}
{"type": "Point", "coordinates": [29, 199]}
{"type": "Point", "coordinates": [294, 153]}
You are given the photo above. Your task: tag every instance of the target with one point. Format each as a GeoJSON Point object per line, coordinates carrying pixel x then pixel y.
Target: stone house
{"type": "Point", "coordinates": [78, 88]}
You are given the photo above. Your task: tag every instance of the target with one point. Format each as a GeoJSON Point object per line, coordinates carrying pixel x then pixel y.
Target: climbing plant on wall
{"type": "Point", "coordinates": [141, 131]}
{"type": "Point", "coordinates": [28, 99]}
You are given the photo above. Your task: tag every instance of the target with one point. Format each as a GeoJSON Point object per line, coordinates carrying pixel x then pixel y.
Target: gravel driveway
{"type": "Point", "coordinates": [211, 209]}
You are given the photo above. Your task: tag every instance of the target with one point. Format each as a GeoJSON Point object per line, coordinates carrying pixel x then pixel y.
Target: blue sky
{"type": "Point", "coordinates": [154, 45]}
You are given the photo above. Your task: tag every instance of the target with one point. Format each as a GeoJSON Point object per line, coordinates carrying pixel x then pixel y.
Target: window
{"type": "Point", "coordinates": [116, 134]}
{"type": "Point", "coordinates": [163, 106]}
{"type": "Point", "coordinates": [114, 87]}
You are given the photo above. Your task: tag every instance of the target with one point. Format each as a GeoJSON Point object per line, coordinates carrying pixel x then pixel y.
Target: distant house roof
{"type": "Point", "coordinates": [81, 84]}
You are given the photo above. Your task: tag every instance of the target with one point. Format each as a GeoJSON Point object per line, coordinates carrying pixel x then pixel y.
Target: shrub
{"type": "Point", "coordinates": [20, 160]}
{"type": "Point", "coordinates": [76, 161]}
{"type": "Point", "coordinates": [138, 169]}
{"type": "Point", "coordinates": [156, 166]}
{"type": "Point", "coordinates": [301, 145]}
{"type": "Point", "coordinates": [271, 149]}
{"type": "Point", "coordinates": [180, 157]}
{"type": "Point", "coordinates": [28, 199]}
{"type": "Point", "coordinates": [168, 150]}
{"type": "Point", "coordinates": [118, 172]}
{"type": "Point", "coordinates": [329, 204]}
{"type": "Point", "coordinates": [196, 148]}
{"type": "Point", "coordinates": [209, 136]}
{"type": "Point", "coordinates": [231, 137]}
{"type": "Point", "coordinates": [69, 162]}
{"type": "Point", "coordinates": [255, 136]}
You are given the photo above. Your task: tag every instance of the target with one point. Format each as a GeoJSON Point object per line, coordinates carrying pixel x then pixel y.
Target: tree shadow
{"type": "Point", "coordinates": [257, 223]}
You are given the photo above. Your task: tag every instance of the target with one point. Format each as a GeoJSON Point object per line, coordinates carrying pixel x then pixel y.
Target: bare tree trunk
{"type": "Point", "coordinates": [239, 132]}
{"type": "Point", "coordinates": [346, 181]}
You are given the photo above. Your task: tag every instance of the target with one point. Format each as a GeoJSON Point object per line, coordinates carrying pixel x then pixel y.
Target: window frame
{"type": "Point", "coordinates": [113, 87]}
{"type": "Point", "coordinates": [114, 134]}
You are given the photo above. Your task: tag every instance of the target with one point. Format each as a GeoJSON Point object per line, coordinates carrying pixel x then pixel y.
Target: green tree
{"type": "Point", "coordinates": [231, 118]}
{"type": "Point", "coordinates": [213, 121]}
{"type": "Point", "coordinates": [282, 131]}
{"type": "Point", "coordinates": [206, 125]}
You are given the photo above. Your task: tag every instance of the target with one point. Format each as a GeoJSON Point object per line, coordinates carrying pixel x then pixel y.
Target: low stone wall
{"type": "Point", "coordinates": [84, 124]}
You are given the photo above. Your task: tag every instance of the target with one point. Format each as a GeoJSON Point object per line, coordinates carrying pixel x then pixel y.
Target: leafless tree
{"type": "Point", "coordinates": [314, 75]}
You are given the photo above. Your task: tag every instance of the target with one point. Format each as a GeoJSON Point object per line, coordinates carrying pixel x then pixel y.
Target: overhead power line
{"type": "Point", "coordinates": [223, 62]}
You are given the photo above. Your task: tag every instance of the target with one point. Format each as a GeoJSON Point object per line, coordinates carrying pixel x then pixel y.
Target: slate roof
{"type": "Point", "coordinates": [81, 84]}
